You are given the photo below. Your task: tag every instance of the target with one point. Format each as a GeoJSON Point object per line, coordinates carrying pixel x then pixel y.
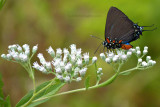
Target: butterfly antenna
{"type": "Point", "coordinates": [97, 48]}
{"type": "Point", "coordinates": [148, 26]}
{"type": "Point", "coordinates": [96, 37]}
{"type": "Point", "coordinates": [150, 30]}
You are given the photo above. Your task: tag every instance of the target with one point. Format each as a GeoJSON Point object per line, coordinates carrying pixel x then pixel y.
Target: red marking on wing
{"type": "Point", "coordinates": [120, 41]}
{"type": "Point", "coordinates": [126, 47]}
{"type": "Point", "coordinates": [114, 41]}
{"type": "Point", "coordinates": [108, 41]}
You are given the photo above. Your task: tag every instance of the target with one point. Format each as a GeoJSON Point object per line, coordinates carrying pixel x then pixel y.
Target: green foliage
{"type": "Point", "coordinates": [3, 102]}
{"type": "Point", "coordinates": [2, 2]}
{"type": "Point", "coordinates": [42, 93]}
{"type": "Point", "coordinates": [87, 83]}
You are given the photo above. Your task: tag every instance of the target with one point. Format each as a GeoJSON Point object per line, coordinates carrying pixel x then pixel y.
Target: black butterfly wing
{"type": "Point", "coordinates": [119, 26]}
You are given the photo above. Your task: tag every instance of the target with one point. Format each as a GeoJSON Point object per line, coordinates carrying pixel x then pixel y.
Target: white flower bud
{"type": "Point", "coordinates": [9, 57]}
{"type": "Point", "coordinates": [129, 53]}
{"type": "Point", "coordinates": [144, 64]}
{"type": "Point", "coordinates": [34, 49]}
{"type": "Point", "coordinates": [115, 59]}
{"type": "Point", "coordinates": [36, 65]}
{"type": "Point", "coordinates": [73, 49]}
{"type": "Point", "coordinates": [94, 59]}
{"type": "Point", "coordinates": [124, 57]}
{"type": "Point", "coordinates": [148, 58]}
{"type": "Point", "coordinates": [79, 51]}
{"type": "Point", "coordinates": [103, 56]}
{"type": "Point", "coordinates": [108, 60]}
{"type": "Point", "coordinates": [99, 71]}
{"type": "Point", "coordinates": [145, 48]}
{"type": "Point", "coordinates": [83, 72]}
{"type": "Point", "coordinates": [51, 51]}
{"type": "Point", "coordinates": [68, 67]}
{"type": "Point", "coordinates": [79, 62]}
{"type": "Point", "coordinates": [19, 48]}
{"type": "Point", "coordinates": [138, 53]}
{"type": "Point", "coordinates": [78, 79]}
{"type": "Point", "coordinates": [23, 57]}
{"type": "Point", "coordinates": [140, 60]}
{"type": "Point", "coordinates": [86, 57]}
{"type": "Point", "coordinates": [58, 70]}
{"type": "Point", "coordinates": [4, 56]}
{"type": "Point", "coordinates": [43, 69]}
{"type": "Point", "coordinates": [58, 52]}
{"type": "Point", "coordinates": [60, 77]}
{"type": "Point", "coordinates": [66, 52]}
{"type": "Point", "coordinates": [137, 48]}
{"type": "Point", "coordinates": [145, 52]}
{"type": "Point", "coordinates": [133, 50]}
{"type": "Point", "coordinates": [48, 65]}
{"type": "Point", "coordinates": [67, 79]}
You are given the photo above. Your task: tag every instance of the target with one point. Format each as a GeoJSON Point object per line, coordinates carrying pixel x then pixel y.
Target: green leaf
{"type": "Point", "coordinates": [51, 90]}
{"type": "Point", "coordinates": [3, 102]}
{"type": "Point", "coordinates": [87, 83]}
{"type": "Point", "coordinates": [2, 2]}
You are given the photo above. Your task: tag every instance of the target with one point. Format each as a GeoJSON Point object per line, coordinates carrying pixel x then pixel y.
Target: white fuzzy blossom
{"type": "Point", "coordinates": [18, 53]}
{"type": "Point", "coordinates": [119, 56]}
{"type": "Point", "coordinates": [67, 65]}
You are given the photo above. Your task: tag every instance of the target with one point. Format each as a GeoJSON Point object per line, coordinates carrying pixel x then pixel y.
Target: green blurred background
{"type": "Point", "coordinates": [60, 23]}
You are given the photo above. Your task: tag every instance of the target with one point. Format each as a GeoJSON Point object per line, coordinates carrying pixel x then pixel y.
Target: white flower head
{"type": "Point", "coordinates": [73, 49]}
{"type": "Point", "coordinates": [137, 48]}
{"type": "Point", "coordinates": [140, 60]}
{"type": "Point", "coordinates": [108, 60]}
{"type": "Point", "coordinates": [102, 55]}
{"type": "Point", "coordinates": [138, 52]}
{"type": "Point", "coordinates": [60, 77]}
{"type": "Point", "coordinates": [82, 72]}
{"type": "Point", "coordinates": [41, 58]}
{"type": "Point", "coordinates": [66, 52]}
{"type": "Point", "coordinates": [26, 49]}
{"type": "Point", "coordinates": [145, 52]}
{"type": "Point", "coordinates": [58, 70]}
{"type": "Point", "coordinates": [36, 66]}
{"type": "Point", "coordinates": [34, 49]}
{"type": "Point", "coordinates": [148, 58]}
{"type": "Point", "coordinates": [78, 79]}
{"type": "Point", "coordinates": [51, 51]}
{"type": "Point", "coordinates": [144, 64]}
{"type": "Point", "coordinates": [67, 79]}
{"type": "Point", "coordinates": [23, 57]}
{"type": "Point", "coordinates": [58, 52]}
{"type": "Point", "coordinates": [86, 57]}
{"type": "Point", "coordinates": [4, 56]}
{"type": "Point", "coordinates": [19, 48]}
{"type": "Point", "coordinates": [94, 59]}
{"type": "Point", "coordinates": [79, 62]}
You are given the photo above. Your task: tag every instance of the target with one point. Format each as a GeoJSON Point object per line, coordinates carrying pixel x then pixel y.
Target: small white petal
{"type": "Point", "coordinates": [58, 70]}
{"type": "Point", "coordinates": [79, 62]}
{"type": "Point", "coordinates": [60, 77]}
{"type": "Point", "coordinates": [65, 51]}
{"type": "Point", "coordinates": [115, 59]}
{"type": "Point", "coordinates": [36, 65]}
{"type": "Point", "coordinates": [83, 72]}
{"type": "Point", "coordinates": [129, 53]}
{"type": "Point", "coordinates": [86, 57]}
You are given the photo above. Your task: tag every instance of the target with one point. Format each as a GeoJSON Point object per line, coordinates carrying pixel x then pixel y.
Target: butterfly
{"type": "Point", "coordinates": [120, 30]}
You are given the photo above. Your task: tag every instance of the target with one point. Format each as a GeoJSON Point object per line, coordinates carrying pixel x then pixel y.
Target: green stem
{"type": "Point", "coordinates": [35, 94]}
{"type": "Point", "coordinates": [110, 80]}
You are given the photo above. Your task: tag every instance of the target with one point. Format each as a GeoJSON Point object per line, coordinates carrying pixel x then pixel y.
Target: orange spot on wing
{"type": "Point", "coordinates": [120, 41]}
{"type": "Point", "coordinates": [126, 47]}
{"type": "Point", "coordinates": [114, 41]}
{"type": "Point", "coordinates": [108, 41]}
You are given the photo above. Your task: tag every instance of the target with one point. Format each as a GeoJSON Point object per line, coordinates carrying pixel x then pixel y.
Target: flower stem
{"type": "Point", "coordinates": [107, 82]}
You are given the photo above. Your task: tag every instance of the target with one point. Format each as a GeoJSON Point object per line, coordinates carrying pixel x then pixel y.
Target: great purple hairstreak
{"type": "Point", "coordinates": [120, 30]}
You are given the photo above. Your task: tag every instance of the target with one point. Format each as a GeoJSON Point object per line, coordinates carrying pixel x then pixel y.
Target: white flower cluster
{"type": "Point", "coordinates": [118, 56]}
{"type": "Point", "coordinates": [123, 55]}
{"type": "Point", "coordinates": [67, 66]}
{"type": "Point", "coordinates": [19, 54]}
